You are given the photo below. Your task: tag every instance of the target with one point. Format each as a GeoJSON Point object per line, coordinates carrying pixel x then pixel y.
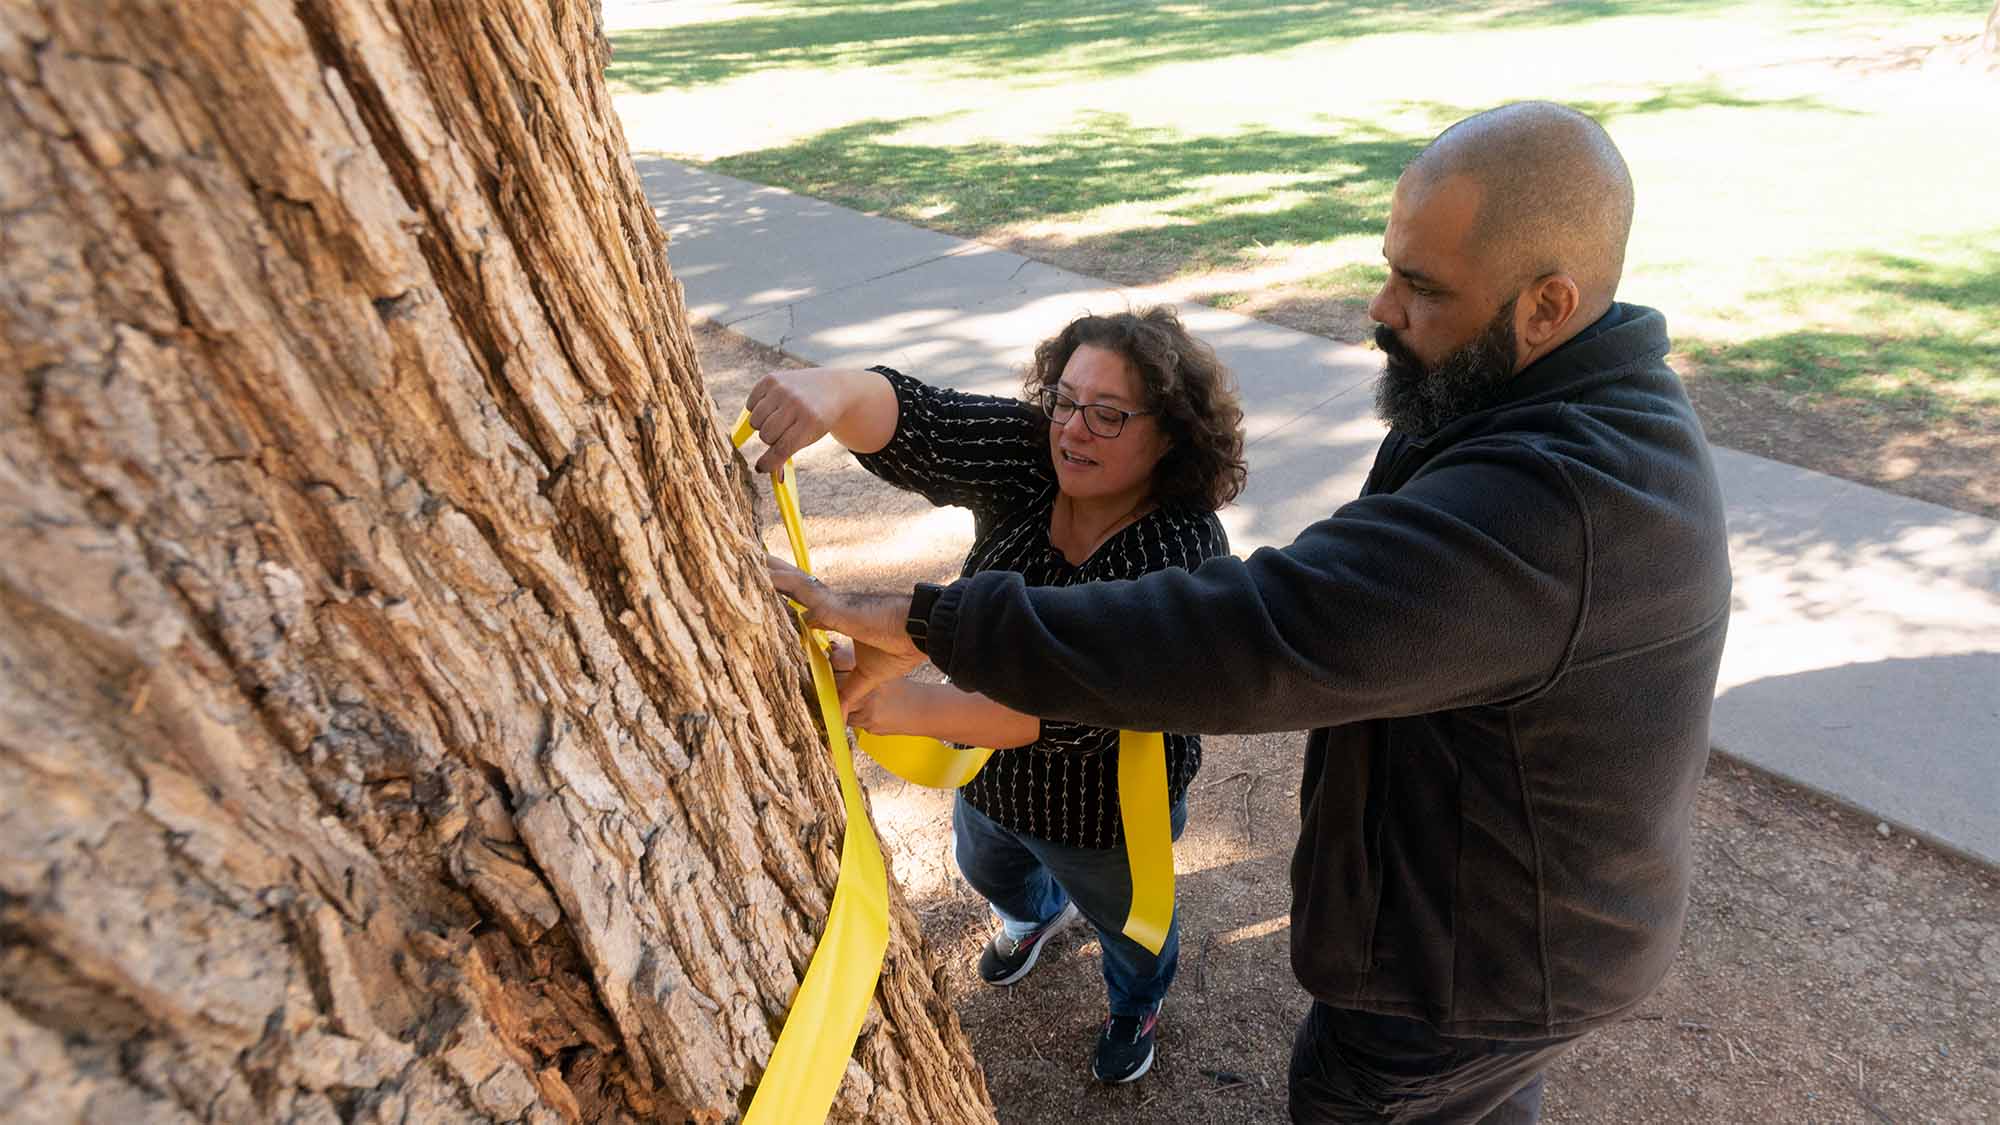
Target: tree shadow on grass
{"type": "Point", "coordinates": [1344, 176]}
{"type": "Point", "coordinates": [1669, 97]}
{"type": "Point", "coordinates": [1065, 38]}
{"type": "Point", "coordinates": [1926, 334]}
{"type": "Point", "coordinates": [1707, 94]}
{"type": "Point", "coordinates": [1327, 184]}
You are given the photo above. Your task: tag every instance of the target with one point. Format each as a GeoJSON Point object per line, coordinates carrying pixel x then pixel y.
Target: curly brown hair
{"type": "Point", "coordinates": [1193, 393]}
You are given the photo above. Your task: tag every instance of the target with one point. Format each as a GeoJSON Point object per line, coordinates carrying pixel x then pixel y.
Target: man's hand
{"type": "Point", "coordinates": [873, 620]}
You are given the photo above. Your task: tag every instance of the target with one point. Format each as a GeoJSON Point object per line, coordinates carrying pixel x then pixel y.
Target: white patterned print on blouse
{"type": "Point", "coordinates": [991, 455]}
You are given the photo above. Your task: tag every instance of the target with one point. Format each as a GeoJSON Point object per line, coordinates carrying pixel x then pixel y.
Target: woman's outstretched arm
{"type": "Point", "coordinates": [793, 409]}
{"type": "Point", "coordinates": [905, 706]}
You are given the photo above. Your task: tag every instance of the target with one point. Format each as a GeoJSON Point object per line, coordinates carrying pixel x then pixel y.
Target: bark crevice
{"type": "Point", "coordinates": [395, 723]}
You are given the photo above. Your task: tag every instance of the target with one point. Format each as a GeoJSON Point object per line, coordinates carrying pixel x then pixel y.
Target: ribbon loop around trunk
{"type": "Point", "coordinates": [810, 1057]}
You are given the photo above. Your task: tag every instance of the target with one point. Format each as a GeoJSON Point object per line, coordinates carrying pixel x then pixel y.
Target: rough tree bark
{"type": "Point", "coordinates": [395, 724]}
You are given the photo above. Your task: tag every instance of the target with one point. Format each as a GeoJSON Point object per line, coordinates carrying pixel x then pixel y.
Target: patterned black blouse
{"type": "Point", "coordinates": [992, 455]}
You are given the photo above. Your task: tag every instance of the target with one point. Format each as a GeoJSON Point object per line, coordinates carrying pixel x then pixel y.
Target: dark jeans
{"type": "Point", "coordinates": [1028, 881]}
{"type": "Point", "coordinates": [1350, 1066]}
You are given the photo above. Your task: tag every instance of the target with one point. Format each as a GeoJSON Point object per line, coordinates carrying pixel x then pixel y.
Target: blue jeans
{"type": "Point", "coordinates": [1028, 881]}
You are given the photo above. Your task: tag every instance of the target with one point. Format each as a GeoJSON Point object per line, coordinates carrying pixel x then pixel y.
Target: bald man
{"type": "Point", "coordinates": [1506, 647]}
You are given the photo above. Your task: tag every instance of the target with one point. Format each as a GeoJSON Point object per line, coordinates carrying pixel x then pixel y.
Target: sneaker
{"type": "Point", "coordinates": [1005, 960]}
{"type": "Point", "coordinates": [1125, 1047]}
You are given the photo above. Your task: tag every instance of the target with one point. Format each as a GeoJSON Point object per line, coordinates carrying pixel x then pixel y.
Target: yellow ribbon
{"type": "Point", "coordinates": [811, 1054]}
{"type": "Point", "coordinates": [1149, 836]}
{"type": "Point", "coordinates": [924, 761]}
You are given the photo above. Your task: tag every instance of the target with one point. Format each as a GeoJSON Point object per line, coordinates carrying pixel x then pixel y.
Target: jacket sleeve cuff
{"type": "Point", "coordinates": [940, 641]}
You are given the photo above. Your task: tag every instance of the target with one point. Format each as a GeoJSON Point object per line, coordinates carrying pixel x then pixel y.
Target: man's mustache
{"type": "Point", "coordinates": [1393, 347]}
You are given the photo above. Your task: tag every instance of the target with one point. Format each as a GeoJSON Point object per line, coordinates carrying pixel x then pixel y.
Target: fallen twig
{"type": "Point", "coordinates": [1224, 1079]}
{"type": "Point", "coordinates": [1201, 963]}
{"type": "Point", "coordinates": [1222, 781]}
{"type": "Point", "coordinates": [1249, 831]}
{"type": "Point", "coordinates": [1754, 874]}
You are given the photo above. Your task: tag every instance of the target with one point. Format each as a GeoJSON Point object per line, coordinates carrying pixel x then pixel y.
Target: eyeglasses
{"type": "Point", "coordinates": [1102, 419]}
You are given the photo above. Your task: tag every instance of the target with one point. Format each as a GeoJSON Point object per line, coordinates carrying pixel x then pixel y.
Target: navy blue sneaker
{"type": "Point", "coordinates": [1125, 1047]}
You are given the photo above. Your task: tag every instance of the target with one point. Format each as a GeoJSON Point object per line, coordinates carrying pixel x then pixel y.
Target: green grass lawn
{"type": "Point", "coordinates": [1819, 186]}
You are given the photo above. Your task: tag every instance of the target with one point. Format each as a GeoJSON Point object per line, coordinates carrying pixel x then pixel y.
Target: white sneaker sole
{"type": "Point", "coordinates": [1132, 1077]}
{"type": "Point", "coordinates": [1062, 922]}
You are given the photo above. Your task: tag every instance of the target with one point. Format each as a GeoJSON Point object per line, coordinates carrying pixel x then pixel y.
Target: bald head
{"type": "Point", "coordinates": [1554, 196]}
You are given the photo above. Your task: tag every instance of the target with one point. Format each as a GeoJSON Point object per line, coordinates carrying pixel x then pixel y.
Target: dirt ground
{"type": "Point", "coordinates": [1950, 461]}
{"type": "Point", "coordinates": [1830, 971]}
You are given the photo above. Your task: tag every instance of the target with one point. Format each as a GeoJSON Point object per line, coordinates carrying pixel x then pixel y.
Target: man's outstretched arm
{"type": "Point", "coordinates": [878, 620]}
{"type": "Point", "coordinates": [1462, 588]}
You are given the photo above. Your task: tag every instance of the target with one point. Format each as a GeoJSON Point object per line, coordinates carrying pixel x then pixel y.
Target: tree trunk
{"type": "Point", "coordinates": [395, 721]}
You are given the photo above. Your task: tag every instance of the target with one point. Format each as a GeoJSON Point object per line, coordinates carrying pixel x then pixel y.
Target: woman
{"type": "Point", "coordinates": [1130, 439]}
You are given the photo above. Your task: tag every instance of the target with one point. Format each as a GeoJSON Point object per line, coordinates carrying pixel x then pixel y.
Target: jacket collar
{"type": "Point", "coordinates": [1624, 337]}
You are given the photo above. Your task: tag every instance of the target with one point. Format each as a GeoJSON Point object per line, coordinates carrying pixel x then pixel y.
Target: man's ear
{"type": "Point", "coordinates": [1546, 307]}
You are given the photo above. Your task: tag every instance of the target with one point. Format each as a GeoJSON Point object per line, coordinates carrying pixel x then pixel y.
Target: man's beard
{"type": "Point", "coordinates": [1420, 400]}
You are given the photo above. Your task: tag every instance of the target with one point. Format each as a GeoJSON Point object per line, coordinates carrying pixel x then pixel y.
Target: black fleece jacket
{"type": "Point", "coordinates": [1508, 645]}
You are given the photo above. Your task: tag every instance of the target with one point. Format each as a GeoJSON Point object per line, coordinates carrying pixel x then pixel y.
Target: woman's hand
{"type": "Point", "coordinates": [793, 409]}
{"type": "Point", "coordinates": [899, 706]}
{"type": "Point", "coordinates": [859, 669]}
{"type": "Point", "coordinates": [872, 670]}
{"type": "Point", "coordinates": [903, 706]}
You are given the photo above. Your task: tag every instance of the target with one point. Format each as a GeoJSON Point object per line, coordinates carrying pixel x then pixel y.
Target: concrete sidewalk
{"type": "Point", "coordinates": [1864, 653]}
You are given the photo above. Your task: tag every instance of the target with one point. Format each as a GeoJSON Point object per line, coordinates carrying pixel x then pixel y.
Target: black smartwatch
{"type": "Point", "coordinates": [918, 624]}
